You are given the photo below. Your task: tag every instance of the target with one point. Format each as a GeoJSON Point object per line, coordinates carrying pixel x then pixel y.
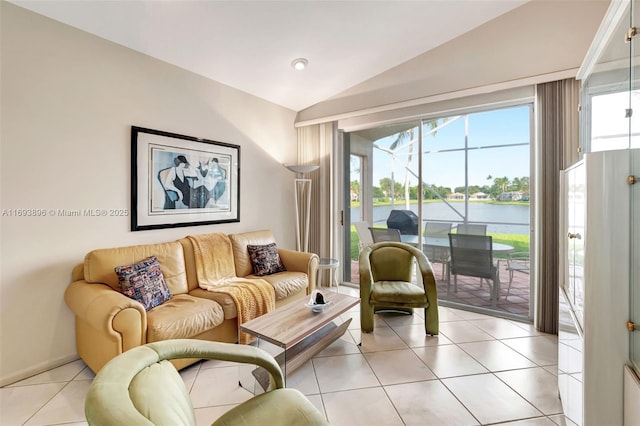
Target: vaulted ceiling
{"type": "Point", "coordinates": [249, 45]}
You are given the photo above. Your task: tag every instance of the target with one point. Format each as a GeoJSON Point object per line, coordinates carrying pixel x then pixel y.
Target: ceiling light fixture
{"type": "Point", "coordinates": [299, 64]}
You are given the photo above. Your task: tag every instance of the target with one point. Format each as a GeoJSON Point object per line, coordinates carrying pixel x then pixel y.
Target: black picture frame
{"type": "Point", "coordinates": [179, 180]}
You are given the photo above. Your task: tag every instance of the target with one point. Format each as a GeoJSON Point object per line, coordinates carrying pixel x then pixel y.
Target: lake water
{"type": "Point", "coordinates": [478, 212]}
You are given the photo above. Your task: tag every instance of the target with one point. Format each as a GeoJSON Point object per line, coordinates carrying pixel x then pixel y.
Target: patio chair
{"type": "Point", "coordinates": [385, 234]}
{"type": "Point", "coordinates": [517, 262]}
{"type": "Point", "coordinates": [472, 229]}
{"type": "Point", "coordinates": [364, 235]}
{"type": "Point", "coordinates": [386, 284]}
{"type": "Point", "coordinates": [472, 255]}
{"type": "Point", "coordinates": [433, 253]}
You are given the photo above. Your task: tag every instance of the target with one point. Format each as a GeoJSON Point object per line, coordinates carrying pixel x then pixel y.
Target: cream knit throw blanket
{"type": "Point", "coordinates": [216, 273]}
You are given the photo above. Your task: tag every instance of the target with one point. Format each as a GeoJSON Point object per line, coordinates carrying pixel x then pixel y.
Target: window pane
{"type": "Point", "coordinates": [443, 171]}
{"type": "Point", "coordinates": [355, 188]}
{"type": "Point", "coordinates": [475, 169]}
{"type": "Point", "coordinates": [395, 159]}
{"type": "Point", "coordinates": [443, 134]}
{"type": "Point", "coordinates": [609, 121]}
{"type": "Point", "coordinates": [499, 127]}
{"type": "Point", "coordinates": [502, 174]}
{"type": "Point", "coordinates": [479, 164]}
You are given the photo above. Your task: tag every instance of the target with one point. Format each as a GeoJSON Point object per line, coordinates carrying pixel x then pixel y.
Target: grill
{"type": "Point", "coordinates": [404, 220]}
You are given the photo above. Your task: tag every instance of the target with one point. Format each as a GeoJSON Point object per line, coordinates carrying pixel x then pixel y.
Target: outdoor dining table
{"type": "Point", "coordinates": [497, 248]}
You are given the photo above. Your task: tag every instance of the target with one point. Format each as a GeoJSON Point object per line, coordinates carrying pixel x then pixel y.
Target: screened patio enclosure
{"type": "Point", "coordinates": [461, 171]}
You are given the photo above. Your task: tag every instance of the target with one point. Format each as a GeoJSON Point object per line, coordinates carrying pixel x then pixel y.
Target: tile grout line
{"type": "Point", "coordinates": [48, 401]}
{"type": "Point", "coordinates": [492, 372]}
{"type": "Point", "coordinates": [469, 322]}
{"type": "Point", "coordinates": [378, 379]}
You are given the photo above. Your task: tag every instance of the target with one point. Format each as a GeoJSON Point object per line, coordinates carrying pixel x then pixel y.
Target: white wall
{"type": "Point", "coordinates": [68, 102]}
{"type": "Point", "coordinates": [535, 43]}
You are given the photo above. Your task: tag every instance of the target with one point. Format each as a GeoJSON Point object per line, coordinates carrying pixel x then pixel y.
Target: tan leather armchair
{"type": "Point", "coordinates": [385, 282]}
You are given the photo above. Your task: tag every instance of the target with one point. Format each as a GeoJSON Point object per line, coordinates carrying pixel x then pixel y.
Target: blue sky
{"type": "Point", "coordinates": [497, 127]}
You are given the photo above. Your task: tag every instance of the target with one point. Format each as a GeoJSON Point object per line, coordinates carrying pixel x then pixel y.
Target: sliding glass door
{"type": "Point", "coordinates": [453, 171]}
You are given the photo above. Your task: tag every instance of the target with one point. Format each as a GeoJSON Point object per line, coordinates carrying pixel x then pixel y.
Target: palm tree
{"type": "Point", "coordinates": [402, 139]}
{"type": "Point", "coordinates": [524, 184]}
{"type": "Point", "coordinates": [408, 138]}
{"type": "Point", "coordinates": [501, 184]}
{"type": "Point", "coordinates": [355, 189]}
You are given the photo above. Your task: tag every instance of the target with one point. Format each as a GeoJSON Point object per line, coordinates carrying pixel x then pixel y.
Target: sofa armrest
{"type": "Point", "coordinates": [108, 311]}
{"type": "Point", "coordinates": [299, 261]}
{"type": "Point", "coordinates": [77, 273]}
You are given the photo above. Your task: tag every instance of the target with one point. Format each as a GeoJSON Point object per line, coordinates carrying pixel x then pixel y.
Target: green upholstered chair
{"type": "Point", "coordinates": [141, 387]}
{"type": "Point", "coordinates": [385, 283]}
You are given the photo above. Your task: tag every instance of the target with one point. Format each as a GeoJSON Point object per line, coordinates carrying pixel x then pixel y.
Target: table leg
{"type": "Point", "coordinates": [293, 358]}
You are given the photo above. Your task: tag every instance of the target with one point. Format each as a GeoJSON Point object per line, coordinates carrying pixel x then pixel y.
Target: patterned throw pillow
{"type": "Point", "coordinates": [144, 282]}
{"type": "Point", "coordinates": [265, 259]}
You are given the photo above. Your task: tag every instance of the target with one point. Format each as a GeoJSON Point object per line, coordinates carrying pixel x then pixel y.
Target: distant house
{"type": "Point", "coordinates": [456, 196]}
{"type": "Point", "coordinates": [512, 196]}
{"type": "Point", "coordinates": [479, 196]}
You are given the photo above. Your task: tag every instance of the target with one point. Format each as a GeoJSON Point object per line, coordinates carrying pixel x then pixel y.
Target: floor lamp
{"type": "Point", "coordinates": [302, 196]}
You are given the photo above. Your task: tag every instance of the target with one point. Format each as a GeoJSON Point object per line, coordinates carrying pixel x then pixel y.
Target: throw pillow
{"type": "Point", "coordinates": [265, 259]}
{"type": "Point", "coordinates": [144, 282]}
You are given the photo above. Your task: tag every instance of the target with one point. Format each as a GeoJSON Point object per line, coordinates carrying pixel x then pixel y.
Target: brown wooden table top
{"type": "Point", "coordinates": [291, 323]}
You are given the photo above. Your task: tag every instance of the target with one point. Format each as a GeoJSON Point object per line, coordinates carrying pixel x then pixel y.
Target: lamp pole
{"type": "Point", "coordinates": [302, 199]}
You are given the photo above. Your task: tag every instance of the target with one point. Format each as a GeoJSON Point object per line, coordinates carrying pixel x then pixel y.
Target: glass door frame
{"type": "Point", "coordinates": [419, 123]}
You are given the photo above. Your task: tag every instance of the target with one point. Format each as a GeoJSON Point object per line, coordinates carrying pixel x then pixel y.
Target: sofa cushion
{"type": "Point", "coordinates": [388, 291]}
{"type": "Point", "coordinates": [224, 300]}
{"type": "Point", "coordinates": [286, 283]}
{"type": "Point", "coordinates": [265, 259]}
{"type": "Point", "coordinates": [144, 282]}
{"type": "Point", "coordinates": [183, 317]}
{"type": "Point", "coordinates": [99, 264]}
{"type": "Point", "coordinates": [241, 254]}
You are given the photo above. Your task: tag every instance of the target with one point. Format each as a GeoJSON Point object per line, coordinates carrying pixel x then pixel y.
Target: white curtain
{"type": "Point", "coordinates": [316, 146]}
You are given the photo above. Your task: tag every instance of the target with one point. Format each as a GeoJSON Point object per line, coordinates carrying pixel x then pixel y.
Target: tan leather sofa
{"type": "Point", "coordinates": [109, 323]}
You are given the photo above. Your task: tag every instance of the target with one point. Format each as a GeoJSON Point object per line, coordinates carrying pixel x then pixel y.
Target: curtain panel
{"type": "Point", "coordinates": [315, 146]}
{"type": "Point", "coordinates": [557, 115]}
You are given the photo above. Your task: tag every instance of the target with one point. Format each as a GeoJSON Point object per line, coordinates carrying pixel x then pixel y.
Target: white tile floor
{"type": "Point", "coordinates": [480, 370]}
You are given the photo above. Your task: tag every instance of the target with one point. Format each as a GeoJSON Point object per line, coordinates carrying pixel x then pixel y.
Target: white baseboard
{"type": "Point", "coordinates": [37, 369]}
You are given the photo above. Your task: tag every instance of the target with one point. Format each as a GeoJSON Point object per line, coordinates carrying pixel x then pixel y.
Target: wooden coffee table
{"type": "Point", "coordinates": [299, 331]}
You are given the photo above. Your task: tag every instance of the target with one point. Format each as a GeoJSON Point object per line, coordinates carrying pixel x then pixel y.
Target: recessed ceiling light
{"type": "Point", "coordinates": [299, 64]}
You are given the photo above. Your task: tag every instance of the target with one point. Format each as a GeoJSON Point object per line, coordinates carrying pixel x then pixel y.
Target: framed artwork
{"type": "Point", "coordinates": [179, 180]}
